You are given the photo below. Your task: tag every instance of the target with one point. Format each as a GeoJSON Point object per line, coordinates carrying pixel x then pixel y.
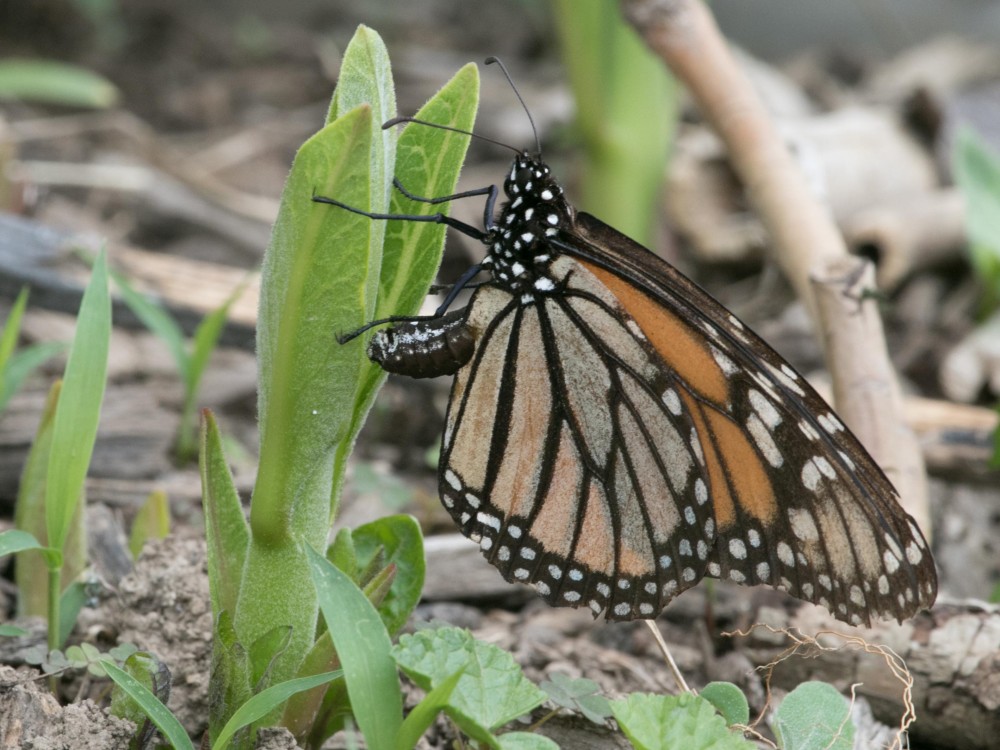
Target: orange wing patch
{"type": "Point", "coordinates": [677, 343]}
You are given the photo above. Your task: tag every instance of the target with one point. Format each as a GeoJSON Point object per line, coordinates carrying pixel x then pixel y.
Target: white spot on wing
{"type": "Point", "coordinates": [764, 441]}
{"type": "Point", "coordinates": [764, 408]}
{"type": "Point", "coordinates": [725, 363]}
{"type": "Point", "coordinates": [700, 491]}
{"type": "Point", "coordinates": [785, 554]}
{"type": "Point", "coordinates": [672, 401]}
{"type": "Point", "coordinates": [803, 525]}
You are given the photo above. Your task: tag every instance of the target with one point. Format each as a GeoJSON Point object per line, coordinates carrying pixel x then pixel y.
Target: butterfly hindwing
{"type": "Point", "coordinates": [589, 485]}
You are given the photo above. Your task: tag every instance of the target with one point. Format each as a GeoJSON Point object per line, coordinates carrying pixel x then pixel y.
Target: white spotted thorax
{"type": "Point", "coordinates": [536, 210]}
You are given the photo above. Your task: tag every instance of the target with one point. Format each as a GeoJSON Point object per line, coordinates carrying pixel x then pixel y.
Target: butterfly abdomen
{"type": "Point", "coordinates": [424, 348]}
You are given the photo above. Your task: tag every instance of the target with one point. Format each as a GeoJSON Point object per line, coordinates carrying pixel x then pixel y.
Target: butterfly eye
{"type": "Point", "coordinates": [523, 176]}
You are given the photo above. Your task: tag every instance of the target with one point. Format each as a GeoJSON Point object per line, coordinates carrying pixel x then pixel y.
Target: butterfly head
{"type": "Point", "coordinates": [536, 211]}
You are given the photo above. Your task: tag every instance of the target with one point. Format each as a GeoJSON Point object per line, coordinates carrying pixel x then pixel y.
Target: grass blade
{"type": "Point", "coordinates": [21, 364]}
{"type": "Point", "coordinates": [423, 714]}
{"type": "Point", "coordinates": [364, 649]}
{"type": "Point", "coordinates": [266, 700]}
{"type": "Point", "coordinates": [75, 429]}
{"type": "Point", "coordinates": [159, 714]}
{"type": "Point", "coordinates": [55, 83]}
{"type": "Point", "coordinates": [156, 318]}
{"type": "Point", "coordinates": [12, 328]}
{"type": "Point", "coordinates": [225, 526]}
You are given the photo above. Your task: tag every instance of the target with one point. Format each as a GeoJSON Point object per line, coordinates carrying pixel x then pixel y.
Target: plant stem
{"type": "Point", "coordinates": [54, 581]}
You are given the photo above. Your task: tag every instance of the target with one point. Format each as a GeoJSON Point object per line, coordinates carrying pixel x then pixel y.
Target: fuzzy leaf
{"type": "Point", "coordinates": [814, 716]}
{"type": "Point", "coordinates": [728, 700]}
{"type": "Point", "coordinates": [400, 538]}
{"type": "Point", "coordinates": [667, 722]}
{"type": "Point", "coordinates": [525, 741]}
{"type": "Point", "coordinates": [492, 690]}
{"type": "Point", "coordinates": [578, 694]}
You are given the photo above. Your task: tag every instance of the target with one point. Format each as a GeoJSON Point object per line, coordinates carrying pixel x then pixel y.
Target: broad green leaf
{"type": "Point", "coordinates": [728, 700]}
{"type": "Point", "coordinates": [668, 722]}
{"type": "Point", "coordinates": [578, 694]}
{"type": "Point", "coordinates": [403, 543]}
{"type": "Point", "coordinates": [160, 715]}
{"type": "Point", "coordinates": [229, 683]}
{"type": "Point", "coordinates": [363, 647]}
{"type": "Point", "coordinates": [366, 78]}
{"type": "Point", "coordinates": [525, 741]}
{"type": "Point", "coordinates": [266, 701]}
{"type": "Point", "coordinates": [313, 286]}
{"type": "Point", "coordinates": [152, 674]}
{"type": "Point", "coordinates": [314, 274]}
{"type": "Point", "coordinates": [342, 553]}
{"type": "Point", "coordinates": [265, 651]}
{"type": "Point", "coordinates": [423, 714]}
{"type": "Point", "coordinates": [73, 599]}
{"type": "Point", "coordinates": [75, 428]}
{"type": "Point", "coordinates": [814, 716]}
{"type": "Point", "coordinates": [428, 161]}
{"type": "Point", "coordinates": [15, 540]}
{"type": "Point", "coordinates": [492, 690]}
{"type": "Point", "coordinates": [151, 522]}
{"type": "Point", "coordinates": [12, 631]}
{"type": "Point", "coordinates": [51, 82]}
{"type": "Point", "coordinates": [225, 526]}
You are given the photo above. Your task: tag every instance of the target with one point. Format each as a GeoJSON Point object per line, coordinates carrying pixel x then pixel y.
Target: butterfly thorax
{"type": "Point", "coordinates": [519, 252]}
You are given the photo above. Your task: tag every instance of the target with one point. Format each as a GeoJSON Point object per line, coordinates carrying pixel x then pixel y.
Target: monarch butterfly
{"type": "Point", "coordinates": [614, 434]}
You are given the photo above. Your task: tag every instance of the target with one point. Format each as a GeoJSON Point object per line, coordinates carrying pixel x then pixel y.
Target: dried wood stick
{"type": "Point", "coordinates": [805, 241]}
{"type": "Point", "coordinates": [909, 234]}
{"type": "Point", "coordinates": [866, 388]}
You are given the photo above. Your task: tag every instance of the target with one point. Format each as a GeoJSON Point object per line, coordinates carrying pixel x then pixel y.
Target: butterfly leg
{"type": "Point", "coordinates": [461, 226]}
{"type": "Point", "coordinates": [490, 191]}
{"type": "Point", "coordinates": [453, 292]}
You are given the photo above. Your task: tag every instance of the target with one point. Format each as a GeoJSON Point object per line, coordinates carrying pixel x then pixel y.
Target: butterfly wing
{"type": "Point", "coordinates": [570, 454]}
{"type": "Point", "coordinates": [798, 502]}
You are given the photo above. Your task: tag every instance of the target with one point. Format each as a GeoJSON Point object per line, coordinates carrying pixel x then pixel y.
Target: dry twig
{"type": "Point", "coordinates": [808, 647]}
{"type": "Point", "coordinates": [806, 243]}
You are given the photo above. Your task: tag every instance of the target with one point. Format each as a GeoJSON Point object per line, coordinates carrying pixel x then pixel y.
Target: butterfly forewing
{"type": "Point", "coordinates": [799, 503]}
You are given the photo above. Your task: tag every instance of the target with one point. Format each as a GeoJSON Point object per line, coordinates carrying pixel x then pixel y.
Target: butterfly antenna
{"type": "Point", "coordinates": [398, 120]}
{"type": "Point", "coordinates": [490, 61]}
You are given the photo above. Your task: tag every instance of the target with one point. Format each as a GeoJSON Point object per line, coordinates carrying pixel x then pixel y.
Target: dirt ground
{"type": "Point", "coordinates": [183, 176]}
